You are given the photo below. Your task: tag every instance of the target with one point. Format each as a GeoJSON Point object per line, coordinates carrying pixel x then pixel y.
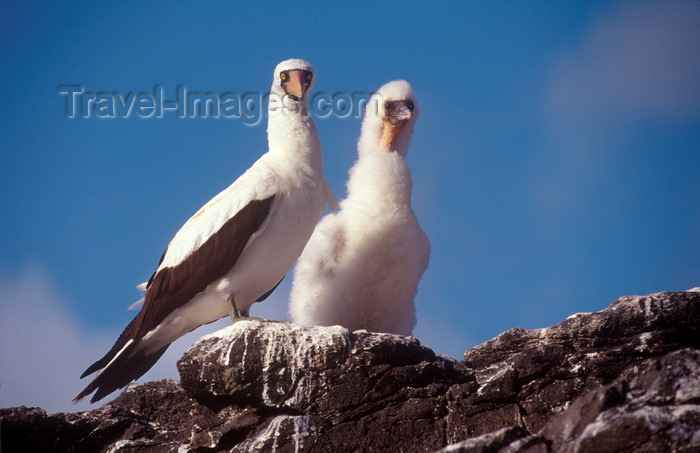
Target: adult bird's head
{"type": "Point", "coordinates": [292, 81]}
{"type": "Point", "coordinates": [389, 118]}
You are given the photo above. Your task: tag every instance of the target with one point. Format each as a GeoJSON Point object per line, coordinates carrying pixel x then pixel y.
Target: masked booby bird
{"type": "Point", "coordinates": [361, 267]}
{"type": "Point", "coordinates": [237, 248]}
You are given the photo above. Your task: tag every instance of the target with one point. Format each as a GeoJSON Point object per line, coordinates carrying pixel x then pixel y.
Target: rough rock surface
{"type": "Point", "coordinates": [625, 379]}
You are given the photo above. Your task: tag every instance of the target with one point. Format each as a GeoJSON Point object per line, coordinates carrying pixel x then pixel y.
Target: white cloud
{"type": "Point", "coordinates": [42, 350]}
{"type": "Point", "coordinates": [636, 64]}
{"type": "Point", "coordinates": [642, 58]}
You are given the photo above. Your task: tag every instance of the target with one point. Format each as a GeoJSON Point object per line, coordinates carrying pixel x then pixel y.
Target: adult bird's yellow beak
{"type": "Point", "coordinates": [296, 84]}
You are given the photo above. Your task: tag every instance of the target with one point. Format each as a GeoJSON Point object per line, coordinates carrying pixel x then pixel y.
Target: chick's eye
{"type": "Point", "coordinates": [409, 105]}
{"type": "Point", "coordinates": [387, 106]}
{"type": "Point", "coordinates": [283, 76]}
{"type": "Point", "coordinates": [308, 77]}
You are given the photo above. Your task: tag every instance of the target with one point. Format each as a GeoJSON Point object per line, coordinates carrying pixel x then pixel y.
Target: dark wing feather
{"type": "Point", "coordinates": [173, 287]}
{"type": "Point", "coordinates": [170, 288]}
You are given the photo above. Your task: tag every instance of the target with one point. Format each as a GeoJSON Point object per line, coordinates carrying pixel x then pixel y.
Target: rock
{"type": "Point", "coordinates": [623, 379]}
{"type": "Point", "coordinates": [325, 387]}
{"type": "Point", "coordinates": [509, 439]}
{"type": "Point", "coordinates": [653, 406]}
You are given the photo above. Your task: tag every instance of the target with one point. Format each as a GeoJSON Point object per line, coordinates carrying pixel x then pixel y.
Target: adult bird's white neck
{"type": "Point", "coordinates": [292, 133]}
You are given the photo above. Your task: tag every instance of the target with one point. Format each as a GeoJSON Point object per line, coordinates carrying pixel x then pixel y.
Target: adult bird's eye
{"type": "Point", "coordinates": [409, 105]}
{"type": "Point", "coordinates": [283, 76]}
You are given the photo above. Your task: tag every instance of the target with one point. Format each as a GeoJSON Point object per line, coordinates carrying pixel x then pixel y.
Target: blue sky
{"type": "Point", "coordinates": [555, 162]}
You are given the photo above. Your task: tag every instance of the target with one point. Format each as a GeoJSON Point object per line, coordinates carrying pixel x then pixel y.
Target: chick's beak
{"type": "Point", "coordinates": [399, 114]}
{"type": "Point", "coordinates": [396, 115]}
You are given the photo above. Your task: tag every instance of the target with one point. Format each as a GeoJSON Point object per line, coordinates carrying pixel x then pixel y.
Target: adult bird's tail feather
{"type": "Point", "coordinates": [112, 353]}
{"type": "Point", "coordinates": [123, 363]}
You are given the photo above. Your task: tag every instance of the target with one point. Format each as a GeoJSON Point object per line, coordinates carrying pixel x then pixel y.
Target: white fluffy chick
{"type": "Point", "coordinates": [362, 265]}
